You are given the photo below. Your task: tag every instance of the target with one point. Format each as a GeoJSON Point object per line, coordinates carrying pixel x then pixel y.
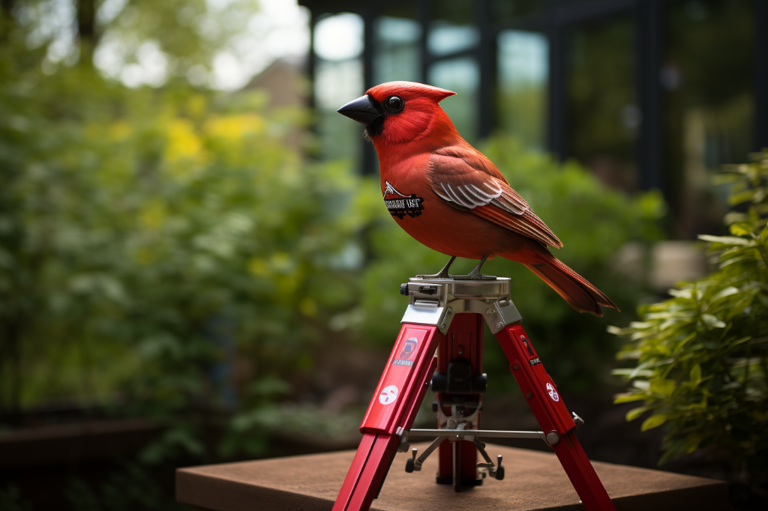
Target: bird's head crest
{"type": "Point", "coordinates": [408, 91]}
{"type": "Point", "coordinates": [398, 112]}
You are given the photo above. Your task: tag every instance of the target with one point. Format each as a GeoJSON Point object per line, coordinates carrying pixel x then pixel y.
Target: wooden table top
{"type": "Point", "coordinates": [534, 481]}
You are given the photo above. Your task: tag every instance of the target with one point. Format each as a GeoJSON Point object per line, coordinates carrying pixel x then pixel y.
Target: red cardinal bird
{"type": "Point", "coordinates": [450, 197]}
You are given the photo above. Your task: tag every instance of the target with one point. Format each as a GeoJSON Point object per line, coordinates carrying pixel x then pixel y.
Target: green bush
{"type": "Point", "coordinates": [148, 237]}
{"type": "Point", "coordinates": [593, 223]}
{"type": "Point", "coordinates": [702, 356]}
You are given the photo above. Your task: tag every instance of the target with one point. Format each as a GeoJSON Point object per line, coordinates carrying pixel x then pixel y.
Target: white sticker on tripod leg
{"type": "Point", "coordinates": [550, 389]}
{"type": "Point", "coordinates": [388, 395]}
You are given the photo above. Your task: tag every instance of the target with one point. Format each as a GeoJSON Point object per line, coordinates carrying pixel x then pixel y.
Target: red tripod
{"type": "Point", "coordinates": [448, 314]}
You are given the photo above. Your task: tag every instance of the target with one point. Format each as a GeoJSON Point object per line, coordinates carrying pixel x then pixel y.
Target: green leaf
{"type": "Point", "coordinates": [696, 375]}
{"type": "Point", "coordinates": [654, 421]}
{"type": "Point", "coordinates": [628, 398]}
{"type": "Point", "coordinates": [729, 291]}
{"type": "Point", "coordinates": [740, 229]}
{"type": "Point", "coordinates": [726, 240]}
{"type": "Point", "coordinates": [711, 321]}
{"type": "Point", "coordinates": [631, 373]}
{"type": "Point", "coordinates": [681, 293]}
{"type": "Point", "coordinates": [636, 412]}
{"type": "Point", "coordinates": [663, 387]}
{"type": "Point", "coordinates": [639, 369]}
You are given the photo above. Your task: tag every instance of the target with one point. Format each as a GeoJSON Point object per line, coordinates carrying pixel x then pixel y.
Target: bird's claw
{"type": "Point", "coordinates": [473, 275]}
{"type": "Point", "coordinates": [442, 274]}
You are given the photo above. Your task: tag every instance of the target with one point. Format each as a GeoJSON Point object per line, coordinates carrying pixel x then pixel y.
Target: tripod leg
{"type": "Point", "coordinates": [459, 383]}
{"type": "Point", "coordinates": [553, 417]}
{"type": "Point", "coordinates": [392, 410]}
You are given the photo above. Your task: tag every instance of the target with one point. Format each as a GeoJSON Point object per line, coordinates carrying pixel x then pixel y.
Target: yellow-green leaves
{"type": "Point", "coordinates": [695, 376]}
{"type": "Point", "coordinates": [663, 387]}
{"type": "Point", "coordinates": [636, 412]}
{"type": "Point", "coordinates": [654, 421]}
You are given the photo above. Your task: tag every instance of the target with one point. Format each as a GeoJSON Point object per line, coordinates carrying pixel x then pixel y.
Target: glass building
{"type": "Point", "coordinates": [645, 93]}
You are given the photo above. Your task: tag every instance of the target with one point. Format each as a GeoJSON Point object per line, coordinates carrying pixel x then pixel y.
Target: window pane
{"type": "Point", "coordinates": [602, 112]}
{"type": "Point", "coordinates": [338, 42]}
{"type": "Point", "coordinates": [708, 78]}
{"type": "Point", "coordinates": [523, 74]}
{"type": "Point", "coordinates": [453, 27]}
{"type": "Point", "coordinates": [396, 35]}
{"type": "Point", "coordinates": [462, 77]}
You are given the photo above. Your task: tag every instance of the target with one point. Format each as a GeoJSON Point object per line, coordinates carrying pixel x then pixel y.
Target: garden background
{"type": "Point", "coordinates": [186, 277]}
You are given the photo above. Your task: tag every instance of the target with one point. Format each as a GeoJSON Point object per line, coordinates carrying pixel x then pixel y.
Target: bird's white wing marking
{"type": "Point", "coordinates": [471, 196]}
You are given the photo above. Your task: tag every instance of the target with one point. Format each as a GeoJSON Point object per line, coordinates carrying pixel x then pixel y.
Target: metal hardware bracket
{"type": "Point", "coordinates": [436, 302]}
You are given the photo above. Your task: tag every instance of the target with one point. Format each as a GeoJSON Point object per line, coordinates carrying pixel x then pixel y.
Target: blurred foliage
{"type": "Point", "coordinates": [160, 237]}
{"type": "Point", "coordinates": [702, 356]}
{"type": "Point", "coordinates": [130, 487]}
{"type": "Point", "coordinates": [593, 224]}
{"type": "Point", "coordinates": [155, 241]}
{"type": "Point", "coordinates": [176, 40]}
{"type": "Point", "coordinates": [12, 500]}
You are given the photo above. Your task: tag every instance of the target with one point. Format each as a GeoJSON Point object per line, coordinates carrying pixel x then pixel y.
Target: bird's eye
{"type": "Point", "coordinates": [394, 104]}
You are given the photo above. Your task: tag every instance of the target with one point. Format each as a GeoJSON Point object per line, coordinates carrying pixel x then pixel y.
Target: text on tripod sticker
{"type": "Point", "coordinates": [550, 389]}
{"type": "Point", "coordinates": [388, 395]}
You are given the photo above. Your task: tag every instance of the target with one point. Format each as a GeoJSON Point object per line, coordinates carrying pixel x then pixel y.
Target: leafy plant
{"type": "Point", "coordinates": [160, 249]}
{"type": "Point", "coordinates": [702, 356]}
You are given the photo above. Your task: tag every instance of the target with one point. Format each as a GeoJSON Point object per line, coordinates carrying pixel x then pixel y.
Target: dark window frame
{"type": "Point", "coordinates": [554, 19]}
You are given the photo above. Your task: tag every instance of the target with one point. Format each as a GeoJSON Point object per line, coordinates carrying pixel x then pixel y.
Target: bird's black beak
{"type": "Point", "coordinates": [362, 110]}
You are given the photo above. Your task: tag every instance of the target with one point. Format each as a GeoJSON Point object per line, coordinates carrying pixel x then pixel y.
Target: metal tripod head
{"type": "Point", "coordinates": [437, 301]}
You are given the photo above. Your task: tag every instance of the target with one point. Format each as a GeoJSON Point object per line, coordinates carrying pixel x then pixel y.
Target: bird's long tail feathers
{"type": "Point", "coordinates": [575, 289]}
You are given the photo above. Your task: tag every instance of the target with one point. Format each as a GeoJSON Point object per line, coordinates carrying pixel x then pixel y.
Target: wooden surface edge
{"type": "Point", "coordinates": [222, 495]}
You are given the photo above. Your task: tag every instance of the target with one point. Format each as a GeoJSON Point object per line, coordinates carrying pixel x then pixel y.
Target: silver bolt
{"type": "Point", "coordinates": [553, 438]}
{"type": "Point", "coordinates": [490, 312]}
{"type": "Point", "coordinates": [499, 325]}
{"type": "Point", "coordinates": [449, 311]}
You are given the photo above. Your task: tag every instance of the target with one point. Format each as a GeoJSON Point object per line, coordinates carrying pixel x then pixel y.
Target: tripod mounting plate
{"type": "Point", "coordinates": [436, 301]}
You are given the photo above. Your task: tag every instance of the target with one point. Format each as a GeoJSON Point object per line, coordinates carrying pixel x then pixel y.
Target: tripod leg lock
{"type": "Point", "coordinates": [553, 437]}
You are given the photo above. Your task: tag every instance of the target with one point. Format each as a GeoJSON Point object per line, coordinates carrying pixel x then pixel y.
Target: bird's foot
{"type": "Point", "coordinates": [442, 274]}
{"type": "Point", "coordinates": [475, 273]}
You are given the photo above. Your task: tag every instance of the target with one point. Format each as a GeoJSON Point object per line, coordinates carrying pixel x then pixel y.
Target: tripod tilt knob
{"type": "Point", "coordinates": [410, 465]}
{"type": "Point", "coordinates": [404, 289]}
{"type": "Point", "coordinates": [499, 469]}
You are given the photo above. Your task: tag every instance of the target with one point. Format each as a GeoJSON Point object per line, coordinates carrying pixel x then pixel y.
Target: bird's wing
{"type": "Point", "coordinates": [467, 180]}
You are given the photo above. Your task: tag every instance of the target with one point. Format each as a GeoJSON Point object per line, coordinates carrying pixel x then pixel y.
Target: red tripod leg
{"type": "Point", "coordinates": [553, 417]}
{"type": "Point", "coordinates": [462, 352]}
{"type": "Point", "coordinates": [392, 410]}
